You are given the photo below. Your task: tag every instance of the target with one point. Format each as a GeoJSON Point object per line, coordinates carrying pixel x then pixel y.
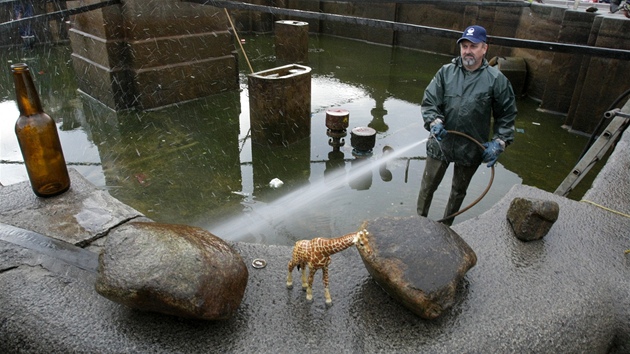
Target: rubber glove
{"type": "Point", "coordinates": [493, 149]}
{"type": "Point", "coordinates": [437, 129]}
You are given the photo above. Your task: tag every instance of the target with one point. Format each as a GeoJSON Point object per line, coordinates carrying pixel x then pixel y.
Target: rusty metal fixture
{"type": "Point", "coordinates": [337, 119]}
{"type": "Point", "coordinates": [362, 140]}
{"type": "Point", "coordinates": [337, 122]}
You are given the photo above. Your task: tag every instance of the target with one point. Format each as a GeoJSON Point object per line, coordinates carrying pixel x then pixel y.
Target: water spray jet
{"type": "Point", "coordinates": [288, 205]}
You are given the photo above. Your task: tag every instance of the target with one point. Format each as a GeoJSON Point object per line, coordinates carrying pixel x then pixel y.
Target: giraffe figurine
{"type": "Point", "coordinates": [316, 254]}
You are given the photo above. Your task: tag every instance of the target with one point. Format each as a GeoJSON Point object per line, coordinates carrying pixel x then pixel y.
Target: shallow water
{"type": "Point", "coordinates": [194, 163]}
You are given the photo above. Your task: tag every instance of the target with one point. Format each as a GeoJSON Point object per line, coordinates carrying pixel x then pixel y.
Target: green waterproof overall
{"type": "Point", "coordinates": [465, 101]}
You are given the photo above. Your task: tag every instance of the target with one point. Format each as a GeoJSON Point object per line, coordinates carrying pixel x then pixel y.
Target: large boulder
{"type": "Point", "coordinates": [173, 269]}
{"type": "Point", "coordinates": [417, 261]}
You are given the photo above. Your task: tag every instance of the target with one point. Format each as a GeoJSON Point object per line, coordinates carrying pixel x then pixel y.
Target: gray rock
{"type": "Point", "coordinates": [531, 219]}
{"type": "Point", "coordinates": [79, 216]}
{"type": "Point", "coordinates": [173, 269]}
{"type": "Point", "coordinates": [417, 261]}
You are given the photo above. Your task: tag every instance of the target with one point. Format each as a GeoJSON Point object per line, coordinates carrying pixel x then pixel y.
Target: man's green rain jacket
{"type": "Point", "coordinates": [466, 102]}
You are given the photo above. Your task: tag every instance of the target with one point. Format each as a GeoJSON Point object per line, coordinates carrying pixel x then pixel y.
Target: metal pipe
{"type": "Point", "coordinates": [61, 14]}
{"type": "Point", "coordinates": [615, 112]}
{"type": "Point", "coordinates": [441, 2]}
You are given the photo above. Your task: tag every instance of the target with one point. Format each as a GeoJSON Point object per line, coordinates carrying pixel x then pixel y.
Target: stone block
{"type": "Point", "coordinates": [531, 219]}
{"type": "Point", "coordinates": [105, 22]}
{"type": "Point", "coordinates": [154, 19]}
{"type": "Point", "coordinates": [162, 51]}
{"type": "Point", "coordinates": [280, 105]}
{"type": "Point", "coordinates": [291, 41]}
{"type": "Point", "coordinates": [79, 216]}
{"type": "Point", "coordinates": [161, 86]}
{"type": "Point", "coordinates": [112, 87]}
{"type": "Point", "coordinates": [148, 55]}
{"type": "Point", "coordinates": [108, 53]}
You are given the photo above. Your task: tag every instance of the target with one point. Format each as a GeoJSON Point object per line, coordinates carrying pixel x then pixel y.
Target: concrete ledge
{"type": "Point", "coordinates": [79, 216]}
{"type": "Point", "coordinates": [608, 188]}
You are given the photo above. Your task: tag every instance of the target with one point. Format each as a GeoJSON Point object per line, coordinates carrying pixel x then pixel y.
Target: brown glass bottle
{"type": "Point", "coordinates": [38, 138]}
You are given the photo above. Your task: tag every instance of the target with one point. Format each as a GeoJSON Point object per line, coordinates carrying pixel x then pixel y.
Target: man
{"type": "Point", "coordinates": [464, 96]}
{"type": "Point", "coordinates": [616, 5]}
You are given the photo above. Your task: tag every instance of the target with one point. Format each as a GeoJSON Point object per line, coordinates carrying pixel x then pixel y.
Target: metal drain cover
{"type": "Point", "coordinates": [259, 263]}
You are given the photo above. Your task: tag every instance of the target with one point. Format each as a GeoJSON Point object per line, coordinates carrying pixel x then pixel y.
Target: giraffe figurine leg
{"type": "Point", "coordinates": [290, 279]}
{"type": "Point", "coordinates": [297, 259]}
{"type": "Point", "coordinates": [309, 288]}
{"type": "Point", "coordinates": [292, 264]}
{"type": "Point", "coordinates": [326, 290]}
{"type": "Point", "coordinates": [304, 283]}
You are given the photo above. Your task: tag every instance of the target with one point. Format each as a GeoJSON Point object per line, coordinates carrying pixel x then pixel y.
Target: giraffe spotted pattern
{"type": "Point", "coordinates": [315, 254]}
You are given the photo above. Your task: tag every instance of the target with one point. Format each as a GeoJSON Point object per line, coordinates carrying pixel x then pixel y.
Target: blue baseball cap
{"type": "Point", "coordinates": [474, 34]}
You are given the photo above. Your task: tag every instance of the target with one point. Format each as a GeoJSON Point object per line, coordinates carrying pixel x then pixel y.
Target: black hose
{"type": "Point", "coordinates": [489, 183]}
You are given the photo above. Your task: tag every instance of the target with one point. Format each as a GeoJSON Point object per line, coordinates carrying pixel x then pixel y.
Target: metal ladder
{"type": "Point", "coordinates": [595, 153]}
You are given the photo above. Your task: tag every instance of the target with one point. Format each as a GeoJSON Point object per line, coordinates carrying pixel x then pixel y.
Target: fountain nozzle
{"type": "Point", "coordinates": [337, 121]}
{"type": "Point", "coordinates": [362, 140]}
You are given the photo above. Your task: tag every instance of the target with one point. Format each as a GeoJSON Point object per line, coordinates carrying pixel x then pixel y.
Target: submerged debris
{"type": "Point", "coordinates": [275, 183]}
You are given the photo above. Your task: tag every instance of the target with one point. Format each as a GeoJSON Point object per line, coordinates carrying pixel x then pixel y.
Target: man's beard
{"type": "Point", "coordinates": [469, 61]}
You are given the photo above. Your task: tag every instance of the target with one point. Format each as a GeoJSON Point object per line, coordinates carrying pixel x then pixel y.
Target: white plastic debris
{"type": "Point", "coordinates": [275, 183]}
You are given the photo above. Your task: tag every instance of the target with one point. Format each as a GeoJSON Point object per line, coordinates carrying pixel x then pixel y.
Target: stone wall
{"type": "Point", "coordinates": [100, 55]}
{"type": "Point", "coordinates": [567, 84]}
{"type": "Point", "coordinates": [148, 55]}
{"type": "Point", "coordinates": [151, 54]}
{"type": "Point", "coordinates": [380, 11]}
{"type": "Point", "coordinates": [579, 86]}
{"type": "Point", "coordinates": [600, 81]}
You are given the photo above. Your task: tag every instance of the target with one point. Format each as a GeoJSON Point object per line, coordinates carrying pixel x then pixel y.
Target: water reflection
{"type": "Point", "coordinates": [194, 163]}
{"type": "Point", "coordinates": [179, 164]}
{"type": "Point", "coordinates": [291, 165]}
{"type": "Point", "coordinates": [363, 181]}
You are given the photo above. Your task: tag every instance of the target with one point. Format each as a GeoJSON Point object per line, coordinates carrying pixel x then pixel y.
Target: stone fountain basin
{"type": "Point", "coordinates": [564, 293]}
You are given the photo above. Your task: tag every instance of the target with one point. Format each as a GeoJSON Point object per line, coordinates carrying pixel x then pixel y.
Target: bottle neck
{"type": "Point", "coordinates": [25, 93]}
